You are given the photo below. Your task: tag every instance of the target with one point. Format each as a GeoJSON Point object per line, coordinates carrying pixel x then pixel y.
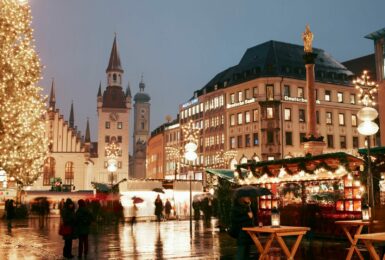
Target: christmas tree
{"type": "Point", "coordinates": [23, 145]}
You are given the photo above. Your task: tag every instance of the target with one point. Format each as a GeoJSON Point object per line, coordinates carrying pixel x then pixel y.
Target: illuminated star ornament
{"type": "Point", "coordinates": [366, 88]}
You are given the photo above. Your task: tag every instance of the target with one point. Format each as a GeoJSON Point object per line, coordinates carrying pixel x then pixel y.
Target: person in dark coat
{"type": "Point", "coordinates": [167, 209]}
{"type": "Point", "coordinates": [10, 210]}
{"type": "Point", "coordinates": [83, 218]}
{"type": "Point", "coordinates": [158, 208]}
{"type": "Point", "coordinates": [68, 220]}
{"type": "Point", "coordinates": [242, 216]}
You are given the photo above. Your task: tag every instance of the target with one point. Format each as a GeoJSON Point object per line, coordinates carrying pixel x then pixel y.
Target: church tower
{"type": "Point", "coordinates": [114, 108]}
{"type": "Point", "coordinates": [141, 132]}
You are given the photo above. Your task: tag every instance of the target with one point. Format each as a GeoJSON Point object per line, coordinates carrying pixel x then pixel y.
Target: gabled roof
{"type": "Point", "coordinates": [279, 59]}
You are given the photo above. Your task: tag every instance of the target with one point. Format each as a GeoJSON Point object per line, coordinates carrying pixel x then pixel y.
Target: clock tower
{"type": "Point", "coordinates": [113, 107]}
{"type": "Point", "coordinates": [141, 132]}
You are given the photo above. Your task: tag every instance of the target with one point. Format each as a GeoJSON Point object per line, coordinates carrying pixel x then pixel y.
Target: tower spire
{"type": "Point", "coordinates": [52, 98]}
{"type": "Point", "coordinates": [88, 135]}
{"type": "Point", "coordinates": [141, 84]}
{"type": "Point", "coordinates": [128, 90]}
{"type": "Point", "coordinates": [114, 63]}
{"type": "Point", "coordinates": [72, 118]}
{"type": "Point", "coordinates": [100, 89]}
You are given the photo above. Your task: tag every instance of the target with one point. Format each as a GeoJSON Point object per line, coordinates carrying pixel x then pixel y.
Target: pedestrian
{"type": "Point", "coordinates": [158, 208]}
{"type": "Point", "coordinates": [242, 216]}
{"type": "Point", "coordinates": [45, 211]}
{"type": "Point", "coordinates": [167, 209]}
{"type": "Point", "coordinates": [83, 219]}
{"type": "Point", "coordinates": [61, 205]}
{"type": "Point", "coordinates": [133, 214]}
{"type": "Point", "coordinates": [67, 227]}
{"type": "Point", "coordinates": [10, 210]}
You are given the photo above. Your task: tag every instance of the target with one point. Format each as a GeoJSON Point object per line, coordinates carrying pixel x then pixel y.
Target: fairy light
{"type": "Point", "coordinates": [366, 89]}
{"type": "Point", "coordinates": [23, 145]}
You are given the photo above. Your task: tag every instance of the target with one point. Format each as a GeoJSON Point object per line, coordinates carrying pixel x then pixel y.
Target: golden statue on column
{"type": "Point", "coordinates": [307, 37]}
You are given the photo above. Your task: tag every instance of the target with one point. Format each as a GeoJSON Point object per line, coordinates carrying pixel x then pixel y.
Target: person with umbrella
{"type": "Point", "coordinates": [243, 214]}
{"type": "Point", "coordinates": [158, 208]}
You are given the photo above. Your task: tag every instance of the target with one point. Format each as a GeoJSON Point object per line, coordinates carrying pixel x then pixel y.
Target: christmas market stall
{"type": "Point", "coordinates": [309, 191]}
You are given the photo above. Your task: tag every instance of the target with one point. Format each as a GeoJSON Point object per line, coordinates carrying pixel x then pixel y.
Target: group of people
{"type": "Point", "coordinates": [159, 207]}
{"type": "Point", "coordinates": [75, 225]}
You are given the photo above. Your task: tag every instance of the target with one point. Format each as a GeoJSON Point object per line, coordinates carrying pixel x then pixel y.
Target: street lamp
{"type": "Point", "coordinates": [367, 127]}
{"type": "Point", "coordinates": [190, 133]}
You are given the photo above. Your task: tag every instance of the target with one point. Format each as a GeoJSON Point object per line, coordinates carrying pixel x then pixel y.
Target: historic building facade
{"type": "Point", "coordinates": [75, 160]}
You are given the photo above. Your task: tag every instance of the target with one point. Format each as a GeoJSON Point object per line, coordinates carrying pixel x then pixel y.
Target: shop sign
{"type": "Point", "coordinates": [192, 102]}
{"type": "Point", "coordinates": [298, 99]}
{"type": "Point", "coordinates": [244, 102]}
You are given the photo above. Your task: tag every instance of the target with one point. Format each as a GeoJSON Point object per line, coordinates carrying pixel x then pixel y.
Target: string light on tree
{"type": "Point", "coordinates": [23, 146]}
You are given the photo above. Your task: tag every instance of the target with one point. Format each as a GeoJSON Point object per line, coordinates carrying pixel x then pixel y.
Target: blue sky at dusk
{"type": "Point", "coordinates": [180, 45]}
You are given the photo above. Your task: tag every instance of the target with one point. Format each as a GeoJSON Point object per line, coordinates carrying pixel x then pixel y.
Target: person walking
{"type": "Point", "coordinates": [158, 208]}
{"type": "Point", "coordinates": [134, 213]}
{"type": "Point", "coordinates": [10, 210]}
{"type": "Point", "coordinates": [242, 216]}
{"type": "Point", "coordinates": [83, 220]}
{"type": "Point", "coordinates": [67, 227]}
{"type": "Point", "coordinates": [167, 209]}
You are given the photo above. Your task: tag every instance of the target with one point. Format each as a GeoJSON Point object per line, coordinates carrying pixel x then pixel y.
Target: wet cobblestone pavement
{"type": "Point", "coordinates": [147, 240]}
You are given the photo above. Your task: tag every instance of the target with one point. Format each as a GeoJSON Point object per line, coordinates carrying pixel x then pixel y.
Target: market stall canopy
{"type": "Point", "coordinates": [226, 174]}
{"type": "Point", "coordinates": [320, 167]}
{"type": "Point", "coordinates": [380, 150]}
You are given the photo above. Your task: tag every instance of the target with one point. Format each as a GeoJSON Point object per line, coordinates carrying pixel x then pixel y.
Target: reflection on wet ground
{"type": "Point", "coordinates": [146, 240]}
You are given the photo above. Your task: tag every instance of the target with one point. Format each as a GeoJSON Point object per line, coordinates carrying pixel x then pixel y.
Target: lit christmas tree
{"type": "Point", "coordinates": [23, 145]}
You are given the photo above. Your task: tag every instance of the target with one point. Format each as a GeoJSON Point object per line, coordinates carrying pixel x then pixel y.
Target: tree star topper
{"type": "Point", "coordinates": [307, 37]}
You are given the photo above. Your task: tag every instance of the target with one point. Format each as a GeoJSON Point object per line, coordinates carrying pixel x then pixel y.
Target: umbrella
{"type": "Point", "coordinates": [251, 191]}
{"type": "Point", "coordinates": [137, 200]}
{"type": "Point", "coordinates": [159, 190]}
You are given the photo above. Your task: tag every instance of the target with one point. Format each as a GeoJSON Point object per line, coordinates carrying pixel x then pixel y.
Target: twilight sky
{"type": "Point", "coordinates": [180, 45]}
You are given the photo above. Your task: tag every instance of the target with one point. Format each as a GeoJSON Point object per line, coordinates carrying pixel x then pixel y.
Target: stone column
{"type": "Point", "coordinates": [311, 115]}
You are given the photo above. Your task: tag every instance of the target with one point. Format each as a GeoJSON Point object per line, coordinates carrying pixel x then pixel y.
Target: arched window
{"type": "Point", "coordinates": [233, 162]}
{"type": "Point", "coordinates": [69, 173]}
{"type": "Point", "coordinates": [48, 171]}
{"type": "Point", "coordinates": [114, 77]}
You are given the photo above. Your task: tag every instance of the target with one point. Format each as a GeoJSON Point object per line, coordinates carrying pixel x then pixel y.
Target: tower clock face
{"type": "Point", "coordinates": [114, 116]}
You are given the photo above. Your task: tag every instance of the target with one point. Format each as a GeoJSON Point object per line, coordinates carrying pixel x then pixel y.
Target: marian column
{"type": "Point", "coordinates": [313, 143]}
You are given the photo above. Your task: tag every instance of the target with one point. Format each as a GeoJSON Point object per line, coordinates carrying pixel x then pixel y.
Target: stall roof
{"type": "Point", "coordinates": [380, 150]}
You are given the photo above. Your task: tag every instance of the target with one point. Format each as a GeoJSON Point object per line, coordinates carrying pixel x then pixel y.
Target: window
{"type": "Point", "coordinates": [239, 141]}
{"type": "Point", "coordinates": [329, 118]}
{"type": "Point", "coordinates": [340, 97]}
{"type": "Point", "coordinates": [269, 113]}
{"type": "Point", "coordinates": [341, 119]}
{"type": "Point", "coordinates": [270, 137]}
{"type": "Point", "coordinates": [107, 139]}
{"type": "Point", "coordinates": [327, 95]}
{"type": "Point", "coordinates": [301, 115]}
{"type": "Point", "coordinates": [107, 125]}
{"type": "Point", "coordinates": [354, 120]}
{"type": "Point", "coordinates": [247, 117]}
{"type": "Point", "coordinates": [330, 141]}
{"type": "Point", "coordinates": [255, 139]}
{"type": "Point", "coordinates": [353, 99]}
{"type": "Point", "coordinates": [120, 165]}
{"type": "Point", "coordinates": [120, 125]}
{"type": "Point", "coordinates": [247, 93]}
{"type": "Point", "coordinates": [286, 90]}
{"type": "Point", "coordinates": [69, 173]}
{"type": "Point", "coordinates": [255, 92]}
{"type": "Point", "coordinates": [289, 138]}
{"type": "Point", "coordinates": [300, 92]}
{"type": "Point", "coordinates": [240, 118]}
{"type": "Point", "coordinates": [119, 138]}
{"type": "Point", "coordinates": [302, 137]}
{"type": "Point", "coordinates": [247, 140]}
{"type": "Point", "coordinates": [114, 77]}
{"type": "Point", "coordinates": [343, 142]}
{"type": "Point", "coordinates": [255, 115]}
{"type": "Point", "coordinates": [232, 98]}
{"type": "Point", "coordinates": [287, 114]}
{"type": "Point", "coordinates": [232, 120]}
{"type": "Point", "coordinates": [317, 117]}
{"type": "Point", "coordinates": [142, 125]}
{"type": "Point", "coordinates": [355, 142]}
{"type": "Point", "coordinates": [232, 142]}
{"type": "Point", "coordinates": [316, 94]}
{"type": "Point", "coordinates": [240, 96]}
{"type": "Point", "coordinates": [269, 92]}
{"type": "Point", "coordinates": [48, 171]}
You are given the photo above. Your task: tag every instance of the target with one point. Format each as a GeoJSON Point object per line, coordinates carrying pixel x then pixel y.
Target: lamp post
{"type": "Point", "coordinates": [367, 127]}
{"type": "Point", "coordinates": [190, 133]}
